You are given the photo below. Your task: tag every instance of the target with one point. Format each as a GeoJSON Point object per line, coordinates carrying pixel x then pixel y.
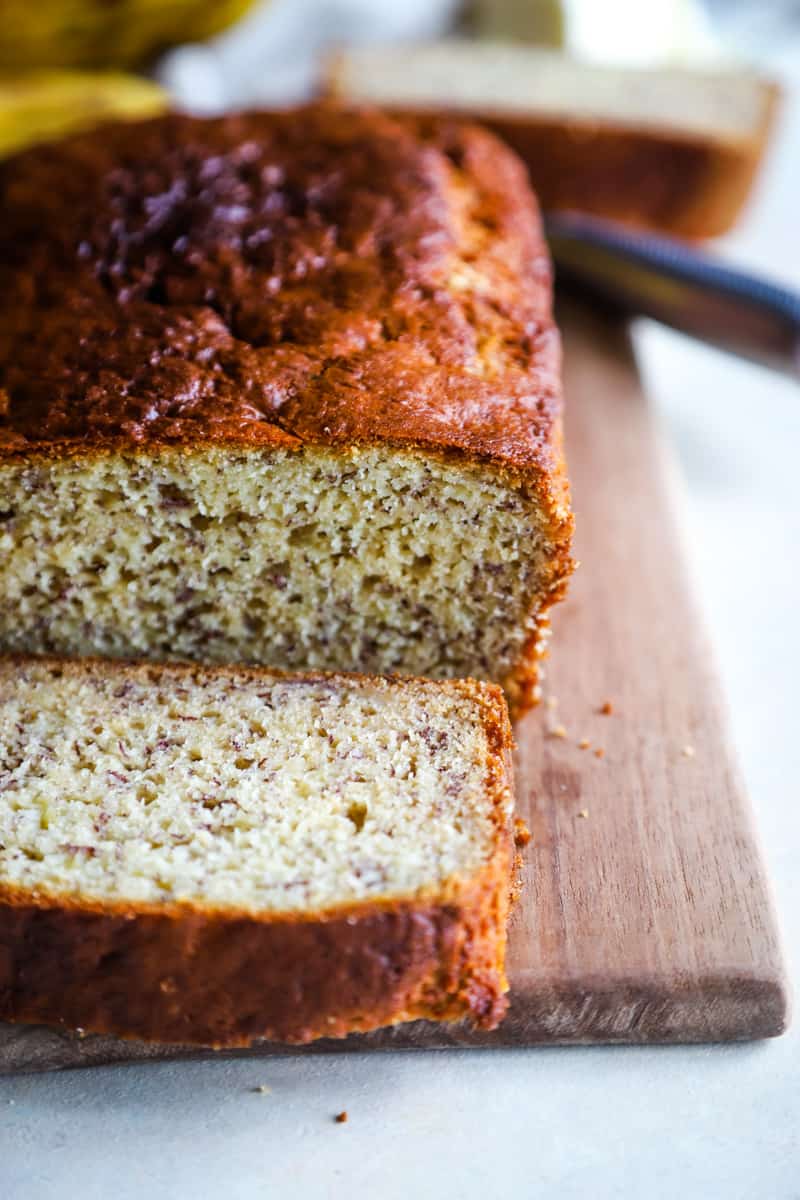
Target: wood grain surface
{"type": "Point", "coordinates": [645, 914]}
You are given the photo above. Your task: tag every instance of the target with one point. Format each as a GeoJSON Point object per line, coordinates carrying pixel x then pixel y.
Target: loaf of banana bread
{"type": "Point", "coordinates": [210, 855]}
{"type": "Point", "coordinates": [280, 388]}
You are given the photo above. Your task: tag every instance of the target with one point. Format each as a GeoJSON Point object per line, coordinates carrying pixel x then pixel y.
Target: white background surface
{"type": "Point", "coordinates": [582, 1123]}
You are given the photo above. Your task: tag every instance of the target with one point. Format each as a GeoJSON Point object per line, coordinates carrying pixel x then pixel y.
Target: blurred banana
{"type": "Point", "coordinates": [96, 33]}
{"type": "Point", "coordinates": [41, 105]}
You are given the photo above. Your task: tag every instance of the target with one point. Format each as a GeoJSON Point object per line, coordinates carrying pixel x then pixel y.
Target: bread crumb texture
{"type": "Point", "coordinates": [244, 790]}
{"type": "Point", "coordinates": [376, 559]}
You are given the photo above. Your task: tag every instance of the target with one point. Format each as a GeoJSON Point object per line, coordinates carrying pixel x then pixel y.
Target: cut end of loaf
{"type": "Point", "coordinates": [369, 559]}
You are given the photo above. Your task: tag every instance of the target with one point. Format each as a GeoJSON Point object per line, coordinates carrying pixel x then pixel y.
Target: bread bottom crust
{"type": "Point", "coordinates": [218, 980]}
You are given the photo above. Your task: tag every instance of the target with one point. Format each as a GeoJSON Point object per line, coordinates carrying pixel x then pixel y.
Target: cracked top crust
{"type": "Point", "coordinates": [314, 275]}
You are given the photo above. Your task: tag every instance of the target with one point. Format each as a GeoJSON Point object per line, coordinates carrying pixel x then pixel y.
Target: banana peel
{"type": "Point", "coordinates": [102, 34]}
{"type": "Point", "coordinates": [42, 105]}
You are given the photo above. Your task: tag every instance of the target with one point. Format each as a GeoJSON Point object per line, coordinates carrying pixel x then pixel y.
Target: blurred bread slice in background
{"type": "Point", "coordinates": [670, 149]}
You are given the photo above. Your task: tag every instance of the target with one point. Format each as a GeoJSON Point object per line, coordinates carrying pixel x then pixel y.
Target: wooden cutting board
{"type": "Point", "coordinates": [645, 914]}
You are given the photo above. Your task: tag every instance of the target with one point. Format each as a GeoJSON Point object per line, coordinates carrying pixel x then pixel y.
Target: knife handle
{"type": "Point", "coordinates": [670, 281]}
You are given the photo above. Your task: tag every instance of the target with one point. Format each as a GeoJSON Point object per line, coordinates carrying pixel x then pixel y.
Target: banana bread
{"type": "Point", "coordinates": [670, 149]}
{"type": "Point", "coordinates": [210, 855]}
{"type": "Point", "coordinates": [280, 388]}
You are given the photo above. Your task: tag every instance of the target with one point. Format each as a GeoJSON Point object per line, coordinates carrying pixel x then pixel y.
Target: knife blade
{"type": "Point", "coordinates": [680, 286]}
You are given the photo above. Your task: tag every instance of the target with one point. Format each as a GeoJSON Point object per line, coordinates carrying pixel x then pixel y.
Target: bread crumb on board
{"type": "Point", "coordinates": [522, 834]}
{"type": "Point", "coordinates": [341, 1117]}
{"type": "Point", "coordinates": [583, 813]}
{"type": "Point", "coordinates": [263, 1089]}
{"type": "Point", "coordinates": [688, 751]}
{"type": "Point", "coordinates": [599, 752]}
{"type": "Point", "coordinates": [606, 709]}
{"type": "Point", "coordinates": [558, 731]}
{"type": "Point", "coordinates": [584, 744]}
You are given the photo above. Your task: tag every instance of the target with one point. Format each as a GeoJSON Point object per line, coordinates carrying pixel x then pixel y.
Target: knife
{"type": "Point", "coordinates": [643, 274]}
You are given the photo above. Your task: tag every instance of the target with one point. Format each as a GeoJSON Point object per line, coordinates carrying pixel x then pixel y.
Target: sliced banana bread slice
{"type": "Point", "coordinates": [673, 149]}
{"type": "Point", "coordinates": [211, 855]}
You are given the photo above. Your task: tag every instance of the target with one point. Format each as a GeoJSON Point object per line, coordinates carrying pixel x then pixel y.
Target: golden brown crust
{"type": "Point", "coordinates": [223, 981]}
{"type": "Point", "coordinates": [190, 973]}
{"type": "Point", "coordinates": [278, 279]}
